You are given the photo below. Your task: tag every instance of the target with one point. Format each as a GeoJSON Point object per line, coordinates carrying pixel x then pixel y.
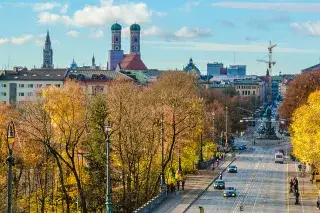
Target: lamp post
{"type": "Point", "coordinates": [213, 126]}
{"type": "Point", "coordinates": [108, 197]}
{"type": "Point", "coordinates": [200, 154]}
{"type": "Point", "coordinates": [163, 181]}
{"type": "Point", "coordinates": [226, 145]}
{"type": "Point", "coordinates": [10, 136]}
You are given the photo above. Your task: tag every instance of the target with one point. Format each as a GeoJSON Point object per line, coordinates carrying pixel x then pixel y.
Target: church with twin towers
{"type": "Point", "coordinates": [117, 59]}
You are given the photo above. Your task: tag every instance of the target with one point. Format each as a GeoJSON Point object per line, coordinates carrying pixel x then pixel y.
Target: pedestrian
{"type": "Point", "coordinates": [178, 185]}
{"type": "Point", "coordinates": [297, 198]}
{"type": "Point", "coordinates": [183, 183]}
{"type": "Point", "coordinates": [254, 142]}
{"type": "Point", "coordinates": [296, 185]}
{"type": "Point", "coordinates": [212, 166]}
{"type": "Point", "coordinates": [220, 176]}
{"type": "Point", "coordinates": [291, 186]}
{"type": "Point", "coordinates": [318, 202]}
{"type": "Point", "coordinates": [312, 176]}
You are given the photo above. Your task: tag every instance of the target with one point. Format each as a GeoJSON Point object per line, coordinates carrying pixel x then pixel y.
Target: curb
{"type": "Point", "coordinates": [201, 193]}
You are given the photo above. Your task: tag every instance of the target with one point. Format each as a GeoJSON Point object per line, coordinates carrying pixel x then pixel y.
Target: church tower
{"type": "Point", "coordinates": [135, 39]}
{"type": "Point", "coordinates": [93, 61]}
{"type": "Point", "coordinates": [115, 54]}
{"type": "Point", "coordinates": [47, 53]}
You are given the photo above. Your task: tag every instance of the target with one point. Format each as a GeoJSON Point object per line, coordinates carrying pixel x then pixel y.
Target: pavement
{"type": "Point", "coordinates": [194, 186]}
{"type": "Point", "coordinates": [308, 191]}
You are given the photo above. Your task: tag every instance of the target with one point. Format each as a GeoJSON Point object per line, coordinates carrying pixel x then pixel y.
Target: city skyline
{"type": "Point", "coordinates": [207, 31]}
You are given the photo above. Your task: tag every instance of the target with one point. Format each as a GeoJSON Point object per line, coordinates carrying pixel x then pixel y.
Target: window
{"type": "Point", "coordinates": [117, 39]}
{"type": "Point", "coordinates": [242, 92]}
{"type": "Point", "coordinates": [3, 94]}
{"type": "Point", "coordinates": [21, 94]}
{"type": "Point", "coordinates": [57, 85]}
{"type": "Point", "coordinates": [39, 85]}
{"type": "Point", "coordinates": [30, 94]}
{"type": "Point", "coordinates": [3, 85]}
{"type": "Point", "coordinates": [48, 85]}
{"type": "Point", "coordinates": [21, 85]}
{"type": "Point", "coordinates": [253, 87]}
{"type": "Point", "coordinates": [246, 92]}
{"type": "Point", "coordinates": [249, 87]}
{"type": "Point", "coordinates": [249, 92]}
{"type": "Point", "coordinates": [30, 85]}
{"type": "Point", "coordinates": [97, 90]}
{"type": "Point", "coordinates": [253, 92]}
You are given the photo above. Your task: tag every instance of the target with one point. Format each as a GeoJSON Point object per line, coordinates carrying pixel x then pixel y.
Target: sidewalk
{"type": "Point", "coordinates": [195, 185]}
{"type": "Point", "coordinates": [308, 191]}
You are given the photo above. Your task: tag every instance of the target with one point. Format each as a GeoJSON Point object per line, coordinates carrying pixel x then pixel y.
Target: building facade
{"type": "Point", "coordinates": [47, 53]}
{"type": "Point", "coordinates": [250, 88]}
{"type": "Point", "coordinates": [17, 86]}
{"type": "Point", "coordinates": [214, 68]}
{"type": "Point", "coordinates": [237, 70]}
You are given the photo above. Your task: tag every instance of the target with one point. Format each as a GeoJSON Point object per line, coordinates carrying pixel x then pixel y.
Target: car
{"type": "Point", "coordinates": [219, 184]}
{"type": "Point", "coordinates": [238, 147]}
{"type": "Point", "coordinates": [278, 158]}
{"type": "Point", "coordinates": [281, 151]}
{"type": "Point", "coordinates": [230, 192]}
{"type": "Point", "coordinates": [232, 169]}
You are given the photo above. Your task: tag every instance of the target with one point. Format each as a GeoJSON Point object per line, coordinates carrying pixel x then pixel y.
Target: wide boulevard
{"type": "Point", "coordinates": [260, 184]}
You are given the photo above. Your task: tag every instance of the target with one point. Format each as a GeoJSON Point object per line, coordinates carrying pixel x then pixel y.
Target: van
{"type": "Point", "coordinates": [278, 158]}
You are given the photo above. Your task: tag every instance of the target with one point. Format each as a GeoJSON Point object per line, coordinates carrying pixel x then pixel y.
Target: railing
{"type": "Point", "coordinates": [152, 204]}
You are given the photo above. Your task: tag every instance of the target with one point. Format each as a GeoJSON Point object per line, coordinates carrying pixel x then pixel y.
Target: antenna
{"type": "Point", "coordinates": [270, 65]}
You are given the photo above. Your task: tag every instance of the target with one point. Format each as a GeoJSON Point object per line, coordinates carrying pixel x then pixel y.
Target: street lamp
{"type": "Point", "coordinates": [163, 181]}
{"type": "Point", "coordinates": [226, 145]}
{"type": "Point", "coordinates": [11, 132]}
{"type": "Point", "coordinates": [108, 197]}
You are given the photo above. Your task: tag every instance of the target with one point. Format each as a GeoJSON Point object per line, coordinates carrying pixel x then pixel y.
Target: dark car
{"type": "Point", "coordinates": [219, 184]}
{"type": "Point", "coordinates": [229, 192]}
{"type": "Point", "coordinates": [232, 169]}
{"type": "Point", "coordinates": [281, 151]}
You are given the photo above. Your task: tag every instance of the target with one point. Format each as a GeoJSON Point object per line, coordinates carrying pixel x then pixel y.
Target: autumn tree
{"type": "Point", "coordinates": [298, 91]}
{"type": "Point", "coordinates": [306, 130]}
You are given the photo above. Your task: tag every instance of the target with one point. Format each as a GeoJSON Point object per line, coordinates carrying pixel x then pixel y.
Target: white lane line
{"type": "Point", "coordinates": [249, 184]}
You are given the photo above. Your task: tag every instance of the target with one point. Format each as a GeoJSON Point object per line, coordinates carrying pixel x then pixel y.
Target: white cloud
{"type": "Point", "coordinates": [3, 41]}
{"type": "Point", "coordinates": [45, 6]}
{"type": "Point", "coordinates": [307, 28]}
{"type": "Point", "coordinates": [186, 32]}
{"type": "Point", "coordinates": [154, 31]}
{"type": "Point", "coordinates": [64, 8]}
{"type": "Point", "coordinates": [97, 34]}
{"type": "Point", "coordinates": [161, 14]}
{"type": "Point", "coordinates": [100, 15]}
{"type": "Point", "coordinates": [39, 43]}
{"type": "Point", "coordinates": [46, 17]}
{"type": "Point", "coordinates": [73, 33]}
{"type": "Point", "coordinates": [22, 39]}
{"type": "Point", "coordinates": [125, 32]}
{"type": "Point", "coordinates": [190, 4]}
{"type": "Point", "coordinates": [204, 46]}
{"type": "Point", "coordinates": [276, 6]}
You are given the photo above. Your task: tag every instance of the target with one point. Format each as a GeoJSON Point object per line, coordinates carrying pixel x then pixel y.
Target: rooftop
{"type": "Point", "coordinates": [96, 75]}
{"type": "Point", "coordinates": [35, 75]}
{"type": "Point", "coordinates": [312, 68]}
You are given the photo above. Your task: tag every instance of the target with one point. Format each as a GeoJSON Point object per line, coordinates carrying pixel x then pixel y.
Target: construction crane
{"type": "Point", "coordinates": [270, 65]}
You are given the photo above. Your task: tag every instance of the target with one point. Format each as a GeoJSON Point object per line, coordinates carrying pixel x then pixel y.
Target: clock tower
{"type": "Point", "coordinates": [135, 39]}
{"type": "Point", "coordinates": [115, 54]}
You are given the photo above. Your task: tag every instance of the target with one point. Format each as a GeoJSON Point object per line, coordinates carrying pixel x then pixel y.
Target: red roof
{"type": "Point", "coordinates": [132, 62]}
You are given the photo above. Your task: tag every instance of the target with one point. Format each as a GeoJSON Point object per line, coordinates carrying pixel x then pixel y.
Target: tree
{"type": "Point", "coordinates": [306, 131]}
{"type": "Point", "coordinates": [298, 91]}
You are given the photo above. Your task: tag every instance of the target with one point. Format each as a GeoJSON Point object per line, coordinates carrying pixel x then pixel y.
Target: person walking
{"type": "Point", "coordinates": [296, 185]}
{"type": "Point", "coordinates": [312, 176]}
{"type": "Point", "coordinates": [183, 183]}
{"type": "Point", "coordinates": [318, 202]}
{"type": "Point", "coordinates": [220, 176]}
{"type": "Point", "coordinates": [297, 198]}
{"type": "Point", "coordinates": [291, 186]}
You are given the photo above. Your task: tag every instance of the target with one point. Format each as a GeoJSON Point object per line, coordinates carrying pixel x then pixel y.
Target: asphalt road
{"type": "Point", "coordinates": [260, 183]}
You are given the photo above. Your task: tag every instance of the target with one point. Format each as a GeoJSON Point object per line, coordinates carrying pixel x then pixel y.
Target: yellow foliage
{"type": "Point", "coordinates": [306, 130]}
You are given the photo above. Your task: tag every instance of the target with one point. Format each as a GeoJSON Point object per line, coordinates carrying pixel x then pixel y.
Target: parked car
{"type": "Point", "coordinates": [219, 184]}
{"type": "Point", "coordinates": [278, 158]}
{"type": "Point", "coordinates": [232, 169]}
{"type": "Point", "coordinates": [230, 192]}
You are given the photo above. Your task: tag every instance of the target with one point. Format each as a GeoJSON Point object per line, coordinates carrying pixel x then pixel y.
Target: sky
{"type": "Point", "coordinates": [172, 31]}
